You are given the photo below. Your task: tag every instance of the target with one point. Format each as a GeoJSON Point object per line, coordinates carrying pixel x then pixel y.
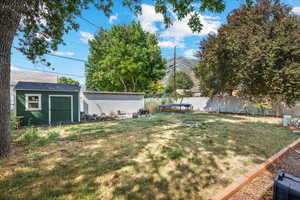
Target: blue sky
{"type": "Point", "coordinates": [179, 34]}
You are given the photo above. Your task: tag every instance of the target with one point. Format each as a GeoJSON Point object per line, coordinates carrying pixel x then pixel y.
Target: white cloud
{"type": "Point", "coordinates": [166, 44]}
{"type": "Point", "coordinates": [190, 53]}
{"type": "Point", "coordinates": [171, 44]}
{"type": "Point", "coordinates": [296, 10]}
{"type": "Point", "coordinates": [112, 18]}
{"type": "Point", "coordinates": [64, 53]}
{"type": "Point", "coordinates": [179, 30]}
{"type": "Point", "coordinates": [86, 36]}
{"type": "Point", "coordinates": [149, 17]}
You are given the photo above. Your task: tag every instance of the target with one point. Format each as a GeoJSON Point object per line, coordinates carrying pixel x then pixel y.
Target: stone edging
{"type": "Point", "coordinates": [247, 178]}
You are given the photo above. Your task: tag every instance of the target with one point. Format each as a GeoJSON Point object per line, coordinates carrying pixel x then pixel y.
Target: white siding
{"type": "Point", "coordinates": [97, 103]}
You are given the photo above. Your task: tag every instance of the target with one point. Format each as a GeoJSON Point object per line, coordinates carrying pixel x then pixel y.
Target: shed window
{"type": "Point", "coordinates": [33, 102]}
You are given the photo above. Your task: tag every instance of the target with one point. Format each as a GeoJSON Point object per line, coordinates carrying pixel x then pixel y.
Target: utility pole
{"type": "Point", "coordinates": [174, 73]}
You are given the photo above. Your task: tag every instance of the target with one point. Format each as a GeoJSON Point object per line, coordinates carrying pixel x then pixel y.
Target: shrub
{"type": "Point", "coordinates": [166, 101]}
{"type": "Point", "coordinates": [36, 136]}
{"type": "Point", "coordinates": [30, 135]}
{"type": "Point", "coordinates": [153, 104]}
{"type": "Point", "coordinates": [13, 122]}
{"type": "Point", "coordinates": [52, 135]}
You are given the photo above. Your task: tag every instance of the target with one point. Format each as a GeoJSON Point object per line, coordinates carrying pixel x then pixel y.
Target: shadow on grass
{"type": "Point", "coordinates": [181, 171]}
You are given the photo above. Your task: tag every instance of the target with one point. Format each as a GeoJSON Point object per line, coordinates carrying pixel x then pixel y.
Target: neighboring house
{"type": "Point", "coordinates": [111, 102]}
{"type": "Point", "coordinates": [16, 76]}
{"type": "Point", "coordinates": [47, 103]}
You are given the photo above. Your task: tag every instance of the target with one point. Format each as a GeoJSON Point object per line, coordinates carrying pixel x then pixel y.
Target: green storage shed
{"type": "Point", "coordinates": [47, 103]}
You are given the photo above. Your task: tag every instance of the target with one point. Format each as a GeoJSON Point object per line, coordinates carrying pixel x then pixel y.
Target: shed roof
{"type": "Point", "coordinates": [114, 93]}
{"type": "Point", "coordinates": [47, 87]}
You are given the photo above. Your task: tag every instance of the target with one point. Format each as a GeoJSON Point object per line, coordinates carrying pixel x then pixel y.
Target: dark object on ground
{"type": "Point", "coordinates": [95, 118]}
{"type": "Point", "coordinates": [135, 115]}
{"type": "Point", "coordinates": [174, 107]}
{"type": "Point", "coordinates": [143, 112]}
{"type": "Point", "coordinates": [121, 112]}
{"type": "Point", "coordinates": [286, 187]}
{"type": "Point", "coordinates": [295, 123]}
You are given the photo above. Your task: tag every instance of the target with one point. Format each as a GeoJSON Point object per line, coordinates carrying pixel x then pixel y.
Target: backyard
{"type": "Point", "coordinates": [166, 156]}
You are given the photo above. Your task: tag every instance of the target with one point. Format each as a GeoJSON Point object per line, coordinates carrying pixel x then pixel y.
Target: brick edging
{"type": "Point", "coordinates": [247, 178]}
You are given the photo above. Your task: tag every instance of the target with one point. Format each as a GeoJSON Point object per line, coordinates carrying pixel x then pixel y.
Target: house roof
{"type": "Point", "coordinates": [39, 77]}
{"type": "Point", "coordinates": [47, 87]}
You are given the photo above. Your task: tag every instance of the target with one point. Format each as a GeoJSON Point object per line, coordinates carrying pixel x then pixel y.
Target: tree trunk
{"type": "Point", "coordinates": [134, 85]}
{"type": "Point", "coordinates": [9, 20]}
{"type": "Point", "coordinates": [124, 84]}
{"type": "Point", "coordinates": [276, 106]}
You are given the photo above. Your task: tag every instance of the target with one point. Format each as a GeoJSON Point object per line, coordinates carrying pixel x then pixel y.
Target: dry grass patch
{"type": "Point", "coordinates": [149, 158]}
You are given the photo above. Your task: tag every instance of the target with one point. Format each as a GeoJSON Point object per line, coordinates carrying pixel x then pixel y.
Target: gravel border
{"type": "Point", "coordinates": [260, 188]}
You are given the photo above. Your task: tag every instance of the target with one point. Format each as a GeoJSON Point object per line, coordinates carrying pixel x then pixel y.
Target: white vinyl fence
{"type": "Point", "coordinates": [233, 104]}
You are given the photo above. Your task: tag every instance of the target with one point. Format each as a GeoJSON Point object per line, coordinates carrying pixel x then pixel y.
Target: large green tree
{"type": "Point", "coordinates": [183, 81]}
{"type": "Point", "coordinates": [41, 24]}
{"type": "Point", "coordinates": [256, 52]}
{"type": "Point", "coordinates": [124, 59]}
{"type": "Point", "coordinates": [66, 80]}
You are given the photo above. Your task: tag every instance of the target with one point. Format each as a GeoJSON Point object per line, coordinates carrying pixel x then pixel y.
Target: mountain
{"type": "Point", "coordinates": [182, 64]}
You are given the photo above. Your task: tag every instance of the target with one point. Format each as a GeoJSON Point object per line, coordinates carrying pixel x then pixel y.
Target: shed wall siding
{"type": "Point", "coordinates": [41, 117]}
{"type": "Point", "coordinates": [108, 103]}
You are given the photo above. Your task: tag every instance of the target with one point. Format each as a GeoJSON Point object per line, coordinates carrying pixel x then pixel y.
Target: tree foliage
{"type": "Point", "coordinates": [183, 81]}
{"type": "Point", "coordinates": [256, 52]}
{"type": "Point", "coordinates": [66, 80]}
{"type": "Point", "coordinates": [125, 58]}
{"type": "Point", "coordinates": [44, 22]}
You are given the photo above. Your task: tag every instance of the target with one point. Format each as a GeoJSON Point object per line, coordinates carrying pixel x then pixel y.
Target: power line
{"type": "Point", "coordinates": [69, 58]}
{"type": "Point", "coordinates": [64, 57]}
{"type": "Point", "coordinates": [58, 73]}
{"type": "Point", "coordinates": [89, 22]}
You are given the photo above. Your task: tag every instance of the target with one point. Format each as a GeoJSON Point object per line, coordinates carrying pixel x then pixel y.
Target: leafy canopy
{"type": "Point", "coordinates": [66, 80]}
{"type": "Point", "coordinates": [257, 52]}
{"type": "Point", "coordinates": [43, 23]}
{"type": "Point", "coordinates": [125, 58]}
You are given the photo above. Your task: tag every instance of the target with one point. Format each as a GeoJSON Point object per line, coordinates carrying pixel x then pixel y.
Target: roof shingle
{"type": "Point", "coordinates": [47, 87]}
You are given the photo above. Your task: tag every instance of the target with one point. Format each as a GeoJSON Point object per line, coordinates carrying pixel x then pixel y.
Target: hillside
{"type": "Point", "coordinates": [182, 64]}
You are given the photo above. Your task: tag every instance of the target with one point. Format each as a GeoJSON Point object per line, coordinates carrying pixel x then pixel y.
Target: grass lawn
{"type": "Point", "coordinates": [148, 158]}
